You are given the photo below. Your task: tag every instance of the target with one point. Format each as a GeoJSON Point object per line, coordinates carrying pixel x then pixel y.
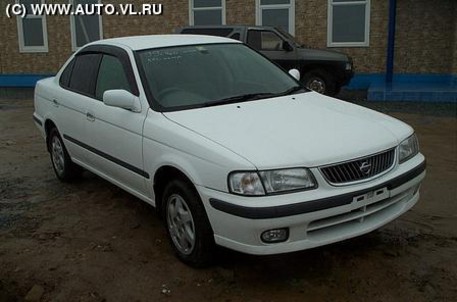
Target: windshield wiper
{"type": "Point", "coordinates": [251, 97]}
{"type": "Point", "coordinates": [239, 99]}
{"type": "Point", "coordinates": [291, 91]}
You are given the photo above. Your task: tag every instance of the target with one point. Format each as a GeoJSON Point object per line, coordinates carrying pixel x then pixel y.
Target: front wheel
{"type": "Point", "coordinates": [188, 226]}
{"type": "Point", "coordinates": [320, 81]}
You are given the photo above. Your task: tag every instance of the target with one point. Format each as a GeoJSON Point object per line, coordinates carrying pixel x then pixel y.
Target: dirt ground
{"type": "Point", "coordinates": [90, 241]}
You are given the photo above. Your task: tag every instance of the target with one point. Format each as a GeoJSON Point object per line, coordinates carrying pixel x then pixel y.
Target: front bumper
{"type": "Point", "coordinates": [326, 215]}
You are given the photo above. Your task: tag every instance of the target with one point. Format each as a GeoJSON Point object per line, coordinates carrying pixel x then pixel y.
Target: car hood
{"type": "Point", "coordinates": [322, 55]}
{"type": "Point", "coordinates": [306, 129]}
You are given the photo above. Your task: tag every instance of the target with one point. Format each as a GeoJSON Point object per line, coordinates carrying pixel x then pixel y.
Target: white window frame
{"type": "Point", "coordinates": [20, 30]}
{"type": "Point", "coordinates": [365, 43]}
{"type": "Point", "coordinates": [290, 7]}
{"type": "Point", "coordinates": [74, 45]}
{"type": "Point", "coordinates": [193, 9]}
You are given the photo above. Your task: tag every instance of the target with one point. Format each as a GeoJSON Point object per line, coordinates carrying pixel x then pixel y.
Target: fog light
{"type": "Point", "coordinates": [275, 236]}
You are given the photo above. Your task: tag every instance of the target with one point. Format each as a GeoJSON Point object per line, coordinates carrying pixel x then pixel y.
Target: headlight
{"type": "Point", "coordinates": [408, 148]}
{"type": "Point", "coordinates": [348, 66]}
{"type": "Point", "coordinates": [271, 181]}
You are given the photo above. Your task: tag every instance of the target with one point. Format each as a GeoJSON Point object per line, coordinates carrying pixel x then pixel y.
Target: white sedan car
{"type": "Point", "coordinates": [228, 147]}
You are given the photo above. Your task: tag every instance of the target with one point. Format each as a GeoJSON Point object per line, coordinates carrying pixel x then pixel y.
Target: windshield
{"type": "Point", "coordinates": [208, 75]}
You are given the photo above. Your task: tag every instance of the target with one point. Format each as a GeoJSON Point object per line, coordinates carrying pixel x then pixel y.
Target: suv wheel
{"type": "Point", "coordinates": [320, 81]}
{"type": "Point", "coordinates": [188, 226]}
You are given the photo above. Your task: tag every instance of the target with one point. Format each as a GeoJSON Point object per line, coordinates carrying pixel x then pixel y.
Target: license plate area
{"type": "Point", "coordinates": [370, 197]}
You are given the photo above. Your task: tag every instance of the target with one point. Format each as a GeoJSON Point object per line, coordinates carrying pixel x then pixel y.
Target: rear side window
{"type": "Point", "coordinates": [254, 39]}
{"type": "Point", "coordinates": [111, 76]}
{"type": "Point", "coordinates": [64, 80]}
{"type": "Point", "coordinates": [84, 74]}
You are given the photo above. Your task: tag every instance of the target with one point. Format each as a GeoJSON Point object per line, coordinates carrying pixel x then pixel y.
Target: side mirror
{"type": "Point", "coordinates": [295, 73]}
{"type": "Point", "coordinates": [286, 46]}
{"type": "Point", "coordinates": [122, 99]}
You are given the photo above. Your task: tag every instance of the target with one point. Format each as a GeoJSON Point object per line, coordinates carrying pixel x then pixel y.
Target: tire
{"type": "Point", "coordinates": [188, 227]}
{"type": "Point", "coordinates": [64, 168]}
{"type": "Point", "coordinates": [320, 81]}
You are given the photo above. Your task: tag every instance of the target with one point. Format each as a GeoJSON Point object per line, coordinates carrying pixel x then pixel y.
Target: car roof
{"type": "Point", "coordinates": [160, 41]}
{"type": "Point", "coordinates": [226, 26]}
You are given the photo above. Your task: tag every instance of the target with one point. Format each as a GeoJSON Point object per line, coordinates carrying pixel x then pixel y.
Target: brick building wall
{"type": "Point", "coordinates": [175, 14]}
{"type": "Point", "coordinates": [240, 12]}
{"type": "Point", "coordinates": [14, 62]}
{"type": "Point", "coordinates": [426, 34]}
{"type": "Point", "coordinates": [311, 29]}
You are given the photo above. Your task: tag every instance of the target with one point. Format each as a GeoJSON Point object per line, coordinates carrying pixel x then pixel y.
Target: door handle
{"type": "Point", "coordinates": [55, 103]}
{"type": "Point", "coordinates": [90, 117]}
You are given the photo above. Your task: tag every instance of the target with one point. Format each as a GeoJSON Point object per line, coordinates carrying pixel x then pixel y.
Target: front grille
{"type": "Point", "coordinates": [359, 169]}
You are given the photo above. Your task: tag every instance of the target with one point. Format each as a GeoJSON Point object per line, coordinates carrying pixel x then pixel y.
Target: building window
{"type": "Point", "coordinates": [348, 23]}
{"type": "Point", "coordinates": [207, 12]}
{"type": "Point", "coordinates": [32, 30]}
{"type": "Point", "coordinates": [85, 28]}
{"type": "Point", "coordinates": [277, 13]}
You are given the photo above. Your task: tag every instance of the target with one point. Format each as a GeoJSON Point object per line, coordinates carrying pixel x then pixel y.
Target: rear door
{"type": "Point", "coordinates": [71, 100]}
{"type": "Point", "coordinates": [271, 45]}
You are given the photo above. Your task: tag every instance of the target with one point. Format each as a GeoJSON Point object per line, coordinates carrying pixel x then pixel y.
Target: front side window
{"type": "Point", "coordinates": [32, 30]}
{"type": "Point", "coordinates": [348, 23]}
{"type": "Point", "coordinates": [207, 12]}
{"type": "Point", "coordinates": [209, 75]}
{"type": "Point", "coordinates": [111, 75]}
{"type": "Point", "coordinates": [264, 40]}
{"type": "Point", "coordinates": [276, 13]}
{"type": "Point", "coordinates": [85, 28]}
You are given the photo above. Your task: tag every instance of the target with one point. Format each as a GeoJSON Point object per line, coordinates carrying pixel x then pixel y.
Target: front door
{"type": "Point", "coordinates": [115, 134]}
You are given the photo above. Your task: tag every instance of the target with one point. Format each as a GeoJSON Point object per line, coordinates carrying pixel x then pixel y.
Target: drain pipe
{"type": "Point", "coordinates": [391, 41]}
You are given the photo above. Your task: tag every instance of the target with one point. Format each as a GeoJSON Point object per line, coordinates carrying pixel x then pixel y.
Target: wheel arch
{"type": "Point", "coordinates": [162, 177]}
{"type": "Point", "coordinates": [48, 126]}
{"type": "Point", "coordinates": [317, 67]}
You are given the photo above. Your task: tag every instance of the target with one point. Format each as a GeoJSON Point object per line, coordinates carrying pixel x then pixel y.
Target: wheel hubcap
{"type": "Point", "coordinates": [180, 224]}
{"type": "Point", "coordinates": [57, 155]}
{"type": "Point", "coordinates": [316, 85]}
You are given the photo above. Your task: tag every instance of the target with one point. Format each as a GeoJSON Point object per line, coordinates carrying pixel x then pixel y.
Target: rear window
{"type": "Point", "coordinates": [220, 32]}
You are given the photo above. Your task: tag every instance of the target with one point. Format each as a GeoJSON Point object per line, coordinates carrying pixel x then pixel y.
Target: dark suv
{"type": "Point", "coordinates": [322, 70]}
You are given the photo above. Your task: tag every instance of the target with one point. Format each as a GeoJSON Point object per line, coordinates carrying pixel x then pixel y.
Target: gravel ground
{"type": "Point", "coordinates": [90, 241]}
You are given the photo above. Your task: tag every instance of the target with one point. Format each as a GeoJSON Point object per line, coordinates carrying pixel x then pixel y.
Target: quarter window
{"type": "Point", "coordinates": [111, 76]}
{"type": "Point", "coordinates": [85, 28]}
{"type": "Point", "coordinates": [64, 80]}
{"type": "Point", "coordinates": [276, 13]}
{"type": "Point", "coordinates": [207, 12]}
{"type": "Point", "coordinates": [84, 74]}
{"type": "Point", "coordinates": [348, 23]}
{"type": "Point", "coordinates": [32, 30]}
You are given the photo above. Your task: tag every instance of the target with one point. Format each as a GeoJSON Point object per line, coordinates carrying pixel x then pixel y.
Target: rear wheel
{"type": "Point", "coordinates": [64, 168]}
{"type": "Point", "coordinates": [188, 226]}
{"type": "Point", "coordinates": [320, 81]}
